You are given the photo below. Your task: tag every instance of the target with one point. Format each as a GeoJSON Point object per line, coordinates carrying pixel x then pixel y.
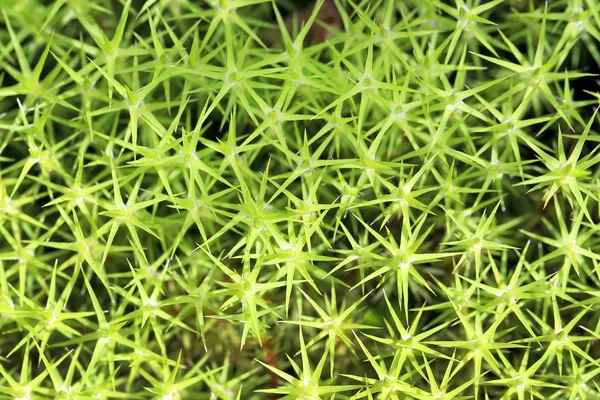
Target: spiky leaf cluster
{"type": "Point", "coordinates": [200, 200]}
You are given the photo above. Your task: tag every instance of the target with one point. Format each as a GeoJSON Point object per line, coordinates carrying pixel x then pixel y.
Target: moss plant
{"type": "Point", "coordinates": [198, 203]}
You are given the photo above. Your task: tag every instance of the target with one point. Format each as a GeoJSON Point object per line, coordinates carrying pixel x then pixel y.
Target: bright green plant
{"type": "Point", "coordinates": [197, 203]}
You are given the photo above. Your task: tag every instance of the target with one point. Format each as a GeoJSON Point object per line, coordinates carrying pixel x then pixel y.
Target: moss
{"type": "Point", "coordinates": [395, 200]}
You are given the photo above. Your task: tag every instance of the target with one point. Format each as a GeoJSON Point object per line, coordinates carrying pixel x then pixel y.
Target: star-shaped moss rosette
{"type": "Point", "coordinates": [204, 200]}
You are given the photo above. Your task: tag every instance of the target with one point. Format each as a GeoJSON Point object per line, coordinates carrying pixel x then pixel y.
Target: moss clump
{"type": "Point", "coordinates": [196, 203]}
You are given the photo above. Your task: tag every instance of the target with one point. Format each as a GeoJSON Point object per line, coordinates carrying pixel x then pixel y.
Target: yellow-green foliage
{"type": "Point", "coordinates": [196, 203]}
